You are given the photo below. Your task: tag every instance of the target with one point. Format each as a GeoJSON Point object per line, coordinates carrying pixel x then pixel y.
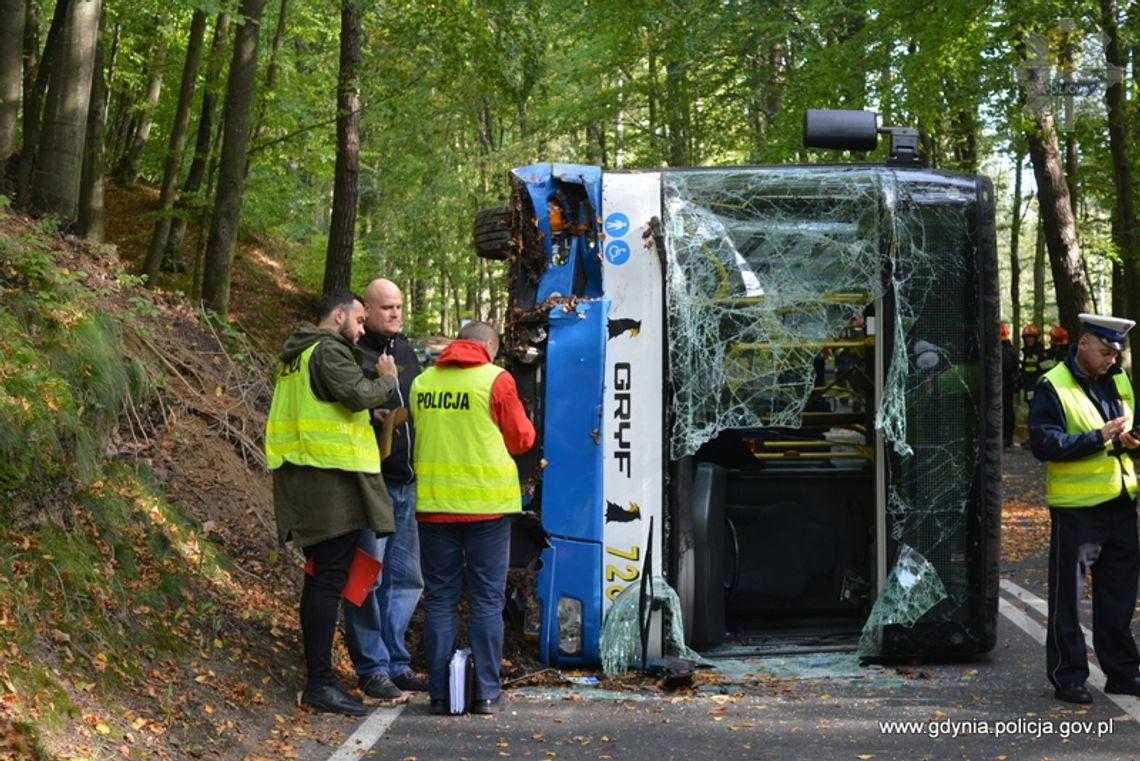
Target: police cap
{"type": "Point", "coordinates": [1111, 330]}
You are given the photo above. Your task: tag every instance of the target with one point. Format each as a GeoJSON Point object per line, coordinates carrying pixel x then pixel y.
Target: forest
{"type": "Point", "coordinates": [366, 136]}
{"type": "Point", "coordinates": [145, 604]}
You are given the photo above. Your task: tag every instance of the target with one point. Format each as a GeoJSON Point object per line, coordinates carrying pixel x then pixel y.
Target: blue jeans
{"type": "Point", "coordinates": [375, 631]}
{"type": "Point", "coordinates": [480, 554]}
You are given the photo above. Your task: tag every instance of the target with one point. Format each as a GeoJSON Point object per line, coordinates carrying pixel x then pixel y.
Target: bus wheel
{"type": "Point", "coordinates": [492, 235]}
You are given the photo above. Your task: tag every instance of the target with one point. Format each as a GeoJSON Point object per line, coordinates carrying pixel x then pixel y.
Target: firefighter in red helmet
{"type": "Point", "coordinates": [1058, 348]}
{"type": "Point", "coordinates": [1032, 354]}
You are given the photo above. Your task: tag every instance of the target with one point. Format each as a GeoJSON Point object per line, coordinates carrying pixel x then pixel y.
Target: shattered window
{"type": "Point", "coordinates": [912, 588]}
{"type": "Point", "coordinates": [621, 633]}
{"type": "Point", "coordinates": [774, 277]}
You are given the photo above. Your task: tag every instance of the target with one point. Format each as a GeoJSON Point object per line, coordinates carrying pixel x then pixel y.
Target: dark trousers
{"type": "Point", "coordinates": [1103, 540]}
{"type": "Point", "coordinates": [454, 555]}
{"type": "Point", "coordinates": [320, 602]}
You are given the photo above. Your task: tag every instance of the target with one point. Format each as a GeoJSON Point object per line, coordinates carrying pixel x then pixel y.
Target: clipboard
{"type": "Point", "coordinates": [396, 417]}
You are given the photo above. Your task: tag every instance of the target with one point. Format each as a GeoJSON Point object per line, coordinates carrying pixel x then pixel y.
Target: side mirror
{"type": "Point", "coordinates": [858, 131]}
{"type": "Point", "coordinates": [844, 130]}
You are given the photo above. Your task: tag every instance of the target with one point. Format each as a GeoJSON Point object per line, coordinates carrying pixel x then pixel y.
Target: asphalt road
{"type": "Point", "coordinates": [821, 706]}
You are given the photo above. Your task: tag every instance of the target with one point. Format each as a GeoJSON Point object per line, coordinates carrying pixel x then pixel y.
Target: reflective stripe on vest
{"type": "Point", "coordinates": [1098, 477]}
{"type": "Point", "coordinates": [462, 464]}
{"type": "Point", "coordinates": [304, 430]}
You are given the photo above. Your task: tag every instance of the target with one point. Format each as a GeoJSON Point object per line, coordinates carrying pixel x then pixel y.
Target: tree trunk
{"type": "Point", "coordinates": [677, 120]}
{"type": "Point", "coordinates": [173, 163]}
{"type": "Point", "coordinates": [127, 172]}
{"type": "Point", "coordinates": [1015, 250]}
{"type": "Point", "coordinates": [92, 215]}
{"type": "Point", "coordinates": [342, 226]}
{"type": "Point", "coordinates": [270, 77]}
{"type": "Point", "coordinates": [12, 16]}
{"type": "Point", "coordinates": [58, 164]}
{"type": "Point", "coordinates": [1061, 243]}
{"type": "Point", "coordinates": [1125, 227]}
{"type": "Point", "coordinates": [227, 208]}
{"type": "Point", "coordinates": [1039, 259]}
{"type": "Point", "coordinates": [34, 101]}
{"type": "Point", "coordinates": [31, 43]}
{"type": "Point", "coordinates": [419, 306]}
{"type": "Point", "coordinates": [203, 142]}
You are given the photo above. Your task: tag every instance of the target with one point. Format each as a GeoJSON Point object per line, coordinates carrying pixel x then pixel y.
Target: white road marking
{"type": "Point", "coordinates": [1036, 630]}
{"type": "Point", "coordinates": [367, 734]}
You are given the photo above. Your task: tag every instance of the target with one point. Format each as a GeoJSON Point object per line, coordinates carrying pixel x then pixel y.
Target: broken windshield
{"type": "Point", "coordinates": [776, 273]}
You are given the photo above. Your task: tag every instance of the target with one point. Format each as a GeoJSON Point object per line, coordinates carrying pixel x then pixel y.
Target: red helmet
{"type": "Point", "coordinates": [1005, 332]}
{"type": "Point", "coordinates": [1058, 336]}
{"type": "Point", "coordinates": [1031, 330]}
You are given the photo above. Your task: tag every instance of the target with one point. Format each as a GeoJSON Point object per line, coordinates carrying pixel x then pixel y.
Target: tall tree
{"type": "Point", "coordinates": [58, 163]}
{"type": "Point", "coordinates": [342, 227]}
{"type": "Point", "coordinates": [1015, 247]}
{"type": "Point", "coordinates": [92, 217]}
{"type": "Point", "coordinates": [1125, 226]}
{"type": "Point", "coordinates": [271, 73]}
{"type": "Point", "coordinates": [127, 169]}
{"type": "Point", "coordinates": [12, 16]}
{"type": "Point", "coordinates": [236, 120]}
{"type": "Point", "coordinates": [34, 98]}
{"type": "Point", "coordinates": [173, 163]}
{"type": "Point", "coordinates": [1060, 226]}
{"type": "Point", "coordinates": [204, 139]}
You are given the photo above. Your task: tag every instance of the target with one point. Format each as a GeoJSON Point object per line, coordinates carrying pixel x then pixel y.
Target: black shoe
{"type": "Point", "coordinates": [438, 707]}
{"type": "Point", "coordinates": [1073, 693]}
{"type": "Point", "coordinates": [331, 698]}
{"type": "Point", "coordinates": [486, 707]}
{"type": "Point", "coordinates": [379, 686]}
{"type": "Point", "coordinates": [411, 682]}
{"type": "Point", "coordinates": [1127, 686]}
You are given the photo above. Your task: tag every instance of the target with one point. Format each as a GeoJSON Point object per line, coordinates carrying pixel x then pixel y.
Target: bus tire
{"type": "Point", "coordinates": [492, 235]}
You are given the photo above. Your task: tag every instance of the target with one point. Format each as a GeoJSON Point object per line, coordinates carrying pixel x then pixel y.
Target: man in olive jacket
{"type": "Point", "coordinates": [327, 485]}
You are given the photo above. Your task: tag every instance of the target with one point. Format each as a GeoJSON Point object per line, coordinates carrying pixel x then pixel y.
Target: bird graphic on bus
{"type": "Point", "coordinates": [622, 325]}
{"type": "Point", "coordinates": [615, 513]}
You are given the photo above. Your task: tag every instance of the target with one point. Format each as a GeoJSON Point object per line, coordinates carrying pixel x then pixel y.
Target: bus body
{"type": "Point", "coordinates": [776, 387]}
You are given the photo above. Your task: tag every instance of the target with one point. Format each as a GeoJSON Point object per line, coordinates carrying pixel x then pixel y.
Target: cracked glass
{"type": "Point", "coordinates": [774, 278]}
{"type": "Point", "coordinates": [620, 642]}
{"type": "Point", "coordinates": [913, 587]}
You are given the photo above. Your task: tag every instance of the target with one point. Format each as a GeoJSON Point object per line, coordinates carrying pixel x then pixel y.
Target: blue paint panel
{"type": "Point", "coordinates": [574, 385]}
{"type": "Point", "coordinates": [570, 569]}
{"type": "Point", "coordinates": [565, 253]}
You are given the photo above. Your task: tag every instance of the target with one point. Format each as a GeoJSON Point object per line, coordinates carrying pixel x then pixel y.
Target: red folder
{"type": "Point", "coordinates": [361, 576]}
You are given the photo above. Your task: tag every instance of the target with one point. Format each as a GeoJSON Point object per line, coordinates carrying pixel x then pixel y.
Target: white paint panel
{"type": "Point", "coordinates": [634, 445]}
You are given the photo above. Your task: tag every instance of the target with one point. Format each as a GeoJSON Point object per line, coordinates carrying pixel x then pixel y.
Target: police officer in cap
{"type": "Point", "coordinates": [1081, 424]}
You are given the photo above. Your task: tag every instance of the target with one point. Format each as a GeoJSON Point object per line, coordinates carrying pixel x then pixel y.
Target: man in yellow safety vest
{"type": "Point", "coordinates": [327, 485]}
{"type": "Point", "coordinates": [469, 422]}
{"type": "Point", "coordinates": [1081, 423]}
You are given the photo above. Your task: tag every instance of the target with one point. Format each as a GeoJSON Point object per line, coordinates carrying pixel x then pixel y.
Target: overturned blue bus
{"type": "Point", "coordinates": [779, 385]}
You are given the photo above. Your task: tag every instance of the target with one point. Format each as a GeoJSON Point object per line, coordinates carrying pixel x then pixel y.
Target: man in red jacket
{"type": "Point", "coordinates": [469, 425]}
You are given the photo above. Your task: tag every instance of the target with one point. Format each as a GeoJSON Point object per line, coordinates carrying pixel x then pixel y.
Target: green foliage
{"type": "Point", "coordinates": [457, 93]}
{"type": "Point", "coordinates": [63, 378]}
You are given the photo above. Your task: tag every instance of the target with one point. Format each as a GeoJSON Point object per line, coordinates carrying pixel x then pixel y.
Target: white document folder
{"type": "Point", "coordinates": [460, 681]}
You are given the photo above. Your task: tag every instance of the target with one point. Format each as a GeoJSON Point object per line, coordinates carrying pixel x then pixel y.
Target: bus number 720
{"type": "Point", "coordinates": [629, 574]}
